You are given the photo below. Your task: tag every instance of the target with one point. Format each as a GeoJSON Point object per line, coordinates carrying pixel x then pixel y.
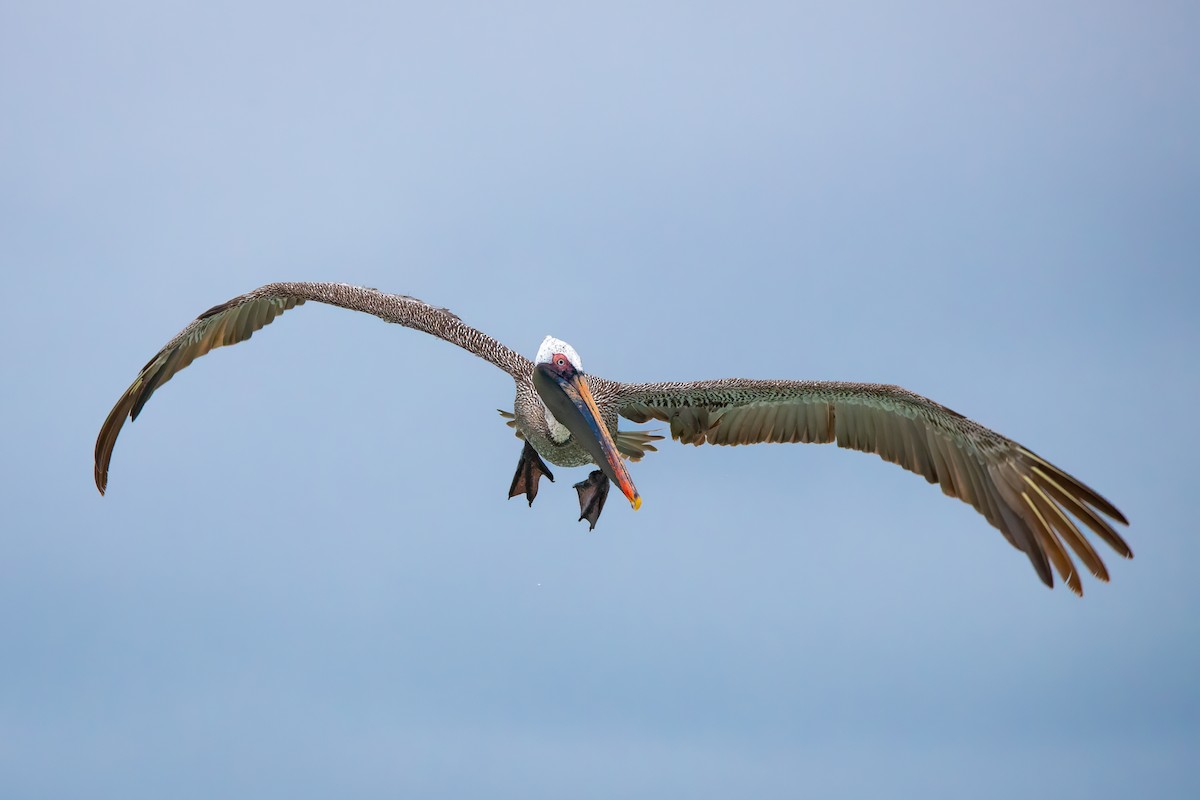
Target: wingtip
{"type": "Point", "coordinates": [1071, 580]}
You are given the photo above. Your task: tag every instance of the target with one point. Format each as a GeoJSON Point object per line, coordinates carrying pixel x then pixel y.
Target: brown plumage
{"type": "Point", "coordinates": [237, 320]}
{"type": "Point", "coordinates": [1028, 499]}
{"type": "Point", "coordinates": [1019, 492]}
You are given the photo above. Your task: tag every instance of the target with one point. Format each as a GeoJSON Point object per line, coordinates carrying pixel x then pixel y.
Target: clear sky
{"type": "Point", "coordinates": [306, 581]}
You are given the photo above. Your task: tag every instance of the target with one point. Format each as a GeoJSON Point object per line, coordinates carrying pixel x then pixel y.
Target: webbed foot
{"type": "Point", "coordinates": [592, 494]}
{"type": "Point", "coordinates": [530, 469]}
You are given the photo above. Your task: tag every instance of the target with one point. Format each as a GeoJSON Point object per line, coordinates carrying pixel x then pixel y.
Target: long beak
{"type": "Point", "coordinates": [570, 401]}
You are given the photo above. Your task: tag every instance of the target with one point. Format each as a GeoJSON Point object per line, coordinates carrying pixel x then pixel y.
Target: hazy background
{"type": "Point", "coordinates": [306, 580]}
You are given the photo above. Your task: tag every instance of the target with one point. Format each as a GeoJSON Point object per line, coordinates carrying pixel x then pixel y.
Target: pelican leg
{"type": "Point", "coordinates": [592, 494]}
{"type": "Point", "coordinates": [530, 469]}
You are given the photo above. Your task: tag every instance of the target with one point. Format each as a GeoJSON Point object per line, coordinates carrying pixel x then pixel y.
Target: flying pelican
{"type": "Point", "coordinates": [571, 420]}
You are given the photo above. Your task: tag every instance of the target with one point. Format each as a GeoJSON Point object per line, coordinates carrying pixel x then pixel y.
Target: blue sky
{"type": "Point", "coordinates": [305, 579]}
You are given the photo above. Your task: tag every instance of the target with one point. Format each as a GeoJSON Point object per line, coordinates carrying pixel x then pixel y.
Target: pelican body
{"type": "Point", "coordinates": [570, 419]}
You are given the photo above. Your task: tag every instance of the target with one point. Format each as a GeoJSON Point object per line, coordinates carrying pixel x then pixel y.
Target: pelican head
{"type": "Point", "coordinates": [559, 380]}
{"type": "Point", "coordinates": [552, 347]}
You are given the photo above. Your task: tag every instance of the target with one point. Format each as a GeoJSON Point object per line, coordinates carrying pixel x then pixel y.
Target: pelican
{"type": "Point", "coordinates": [569, 418]}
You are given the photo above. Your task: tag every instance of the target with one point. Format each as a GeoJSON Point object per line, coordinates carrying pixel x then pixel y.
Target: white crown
{"type": "Point", "coordinates": [550, 346]}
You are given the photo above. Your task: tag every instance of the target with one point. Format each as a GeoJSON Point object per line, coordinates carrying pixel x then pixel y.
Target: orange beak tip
{"type": "Point", "coordinates": [636, 502]}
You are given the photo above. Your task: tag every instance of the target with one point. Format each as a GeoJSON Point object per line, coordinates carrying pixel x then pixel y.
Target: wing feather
{"type": "Point", "coordinates": [1067, 530]}
{"type": "Point", "coordinates": [237, 320]}
{"type": "Point", "coordinates": [1031, 501]}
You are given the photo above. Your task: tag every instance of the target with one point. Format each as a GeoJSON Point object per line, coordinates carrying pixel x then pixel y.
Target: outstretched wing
{"type": "Point", "coordinates": [1029, 499]}
{"type": "Point", "coordinates": [238, 319]}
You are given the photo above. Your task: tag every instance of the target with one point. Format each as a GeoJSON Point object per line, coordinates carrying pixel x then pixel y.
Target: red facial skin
{"type": "Point", "coordinates": [562, 365]}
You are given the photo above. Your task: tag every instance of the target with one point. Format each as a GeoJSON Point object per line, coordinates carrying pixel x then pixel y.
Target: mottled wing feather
{"type": "Point", "coordinates": [1028, 499]}
{"type": "Point", "coordinates": [237, 320]}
